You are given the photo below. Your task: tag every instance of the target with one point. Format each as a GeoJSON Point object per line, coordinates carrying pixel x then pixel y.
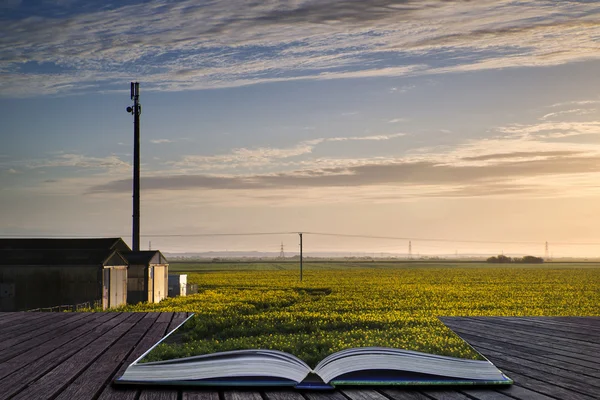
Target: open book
{"type": "Point", "coordinates": [357, 366]}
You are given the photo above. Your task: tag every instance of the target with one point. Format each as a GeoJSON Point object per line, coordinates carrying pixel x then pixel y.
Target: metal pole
{"type": "Point", "coordinates": [135, 94]}
{"type": "Point", "coordinates": [300, 256]}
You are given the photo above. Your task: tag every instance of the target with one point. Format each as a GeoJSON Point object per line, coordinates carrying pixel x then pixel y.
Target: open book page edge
{"type": "Point", "coordinates": [161, 340]}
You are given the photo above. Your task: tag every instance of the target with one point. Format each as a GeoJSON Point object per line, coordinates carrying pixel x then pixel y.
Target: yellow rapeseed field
{"type": "Point", "coordinates": [333, 309]}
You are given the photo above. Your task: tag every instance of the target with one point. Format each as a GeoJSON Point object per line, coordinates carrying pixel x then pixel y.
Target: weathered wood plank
{"type": "Point", "coordinates": [405, 394]}
{"type": "Point", "coordinates": [54, 381]}
{"type": "Point", "coordinates": [531, 334]}
{"type": "Point", "coordinates": [475, 336]}
{"type": "Point", "coordinates": [200, 395]}
{"type": "Point", "coordinates": [24, 324]}
{"type": "Point", "coordinates": [20, 356]}
{"type": "Point", "coordinates": [328, 395]}
{"type": "Point", "coordinates": [570, 323]}
{"type": "Point", "coordinates": [21, 377]}
{"type": "Point", "coordinates": [541, 385]}
{"type": "Point", "coordinates": [178, 318]}
{"type": "Point", "coordinates": [485, 394]}
{"type": "Point", "coordinates": [283, 394]}
{"type": "Point", "coordinates": [548, 375]}
{"type": "Point", "coordinates": [519, 392]}
{"type": "Point", "coordinates": [13, 318]}
{"type": "Point", "coordinates": [160, 394]}
{"type": "Point", "coordinates": [363, 394]}
{"type": "Point", "coordinates": [527, 358]}
{"type": "Point", "coordinates": [36, 329]}
{"type": "Point", "coordinates": [241, 395]}
{"type": "Point", "coordinates": [540, 328]}
{"type": "Point", "coordinates": [94, 378]}
{"type": "Point", "coordinates": [474, 331]}
{"type": "Point", "coordinates": [153, 335]}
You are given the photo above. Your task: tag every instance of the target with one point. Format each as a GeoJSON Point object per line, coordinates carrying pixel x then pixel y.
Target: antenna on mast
{"type": "Point", "coordinates": [136, 110]}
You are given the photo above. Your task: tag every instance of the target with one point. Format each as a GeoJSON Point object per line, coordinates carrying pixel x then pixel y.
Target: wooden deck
{"type": "Point", "coordinates": [76, 356]}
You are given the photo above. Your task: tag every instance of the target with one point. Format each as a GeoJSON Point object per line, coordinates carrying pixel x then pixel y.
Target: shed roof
{"type": "Point", "coordinates": [61, 257]}
{"type": "Point", "coordinates": [65, 252]}
{"type": "Point", "coordinates": [70, 243]}
{"type": "Point", "coordinates": [146, 257]}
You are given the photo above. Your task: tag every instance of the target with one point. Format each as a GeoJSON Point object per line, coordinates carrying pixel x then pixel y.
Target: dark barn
{"type": "Point", "coordinates": [41, 273]}
{"type": "Point", "coordinates": [147, 276]}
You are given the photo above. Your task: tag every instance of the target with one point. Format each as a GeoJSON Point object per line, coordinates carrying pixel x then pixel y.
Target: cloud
{"type": "Point", "coordinates": [577, 111]}
{"type": "Point", "coordinates": [160, 141]}
{"type": "Point", "coordinates": [395, 174]}
{"type": "Point", "coordinates": [110, 163]}
{"type": "Point", "coordinates": [396, 120]}
{"type": "Point", "coordinates": [522, 154]}
{"type": "Point", "coordinates": [189, 45]}
{"type": "Point", "coordinates": [550, 130]}
{"type": "Point", "coordinates": [264, 156]}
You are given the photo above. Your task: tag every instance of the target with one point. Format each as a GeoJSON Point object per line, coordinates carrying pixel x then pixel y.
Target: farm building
{"type": "Point", "coordinates": [40, 273]}
{"type": "Point", "coordinates": [177, 285]}
{"type": "Point", "coordinates": [147, 278]}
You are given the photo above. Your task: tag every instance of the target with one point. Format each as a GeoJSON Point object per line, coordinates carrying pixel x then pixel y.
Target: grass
{"type": "Point", "coordinates": [339, 306]}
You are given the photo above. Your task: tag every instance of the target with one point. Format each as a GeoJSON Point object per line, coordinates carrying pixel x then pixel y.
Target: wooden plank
{"type": "Point", "coordinates": [519, 392]}
{"type": "Point", "coordinates": [24, 324]}
{"type": "Point", "coordinates": [325, 395]}
{"type": "Point", "coordinates": [54, 381]}
{"type": "Point", "coordinates": [241, 395]}
{"type": "Point", "coordinates": [475, 330]}
{"type": "Point", "coordinates": [94, 378]}
{"type": "Point", "coordinates": [36, 330]}
{"type": "Point", "coordinates": [283, 394]}
{"type": "Point", "coordinates": [548, 375]}
{"type": "Point", "coordinates": [526, 346]}
{"type": "Point", "coordinates": [444, 394]}
{"type": "Point", "coordinates": [153, 335]}
{"type": "Point", "coordinates": [405, 394]}
{"type": "Point", "coordinates": [160, 394]}
{"type": "Point", "coordinates": [39, 348]}
{"type": "Point", "coordinates": [199, 395]}
{"type": "Point", "coordinates": [12, 318]}
{"type": "Point", "coordinates": [532, 334]}
{"type": "Point", "coordinates": [563, 324]}
{"type": "Point", "coordinates": [16, 381]}
{"type": "Point", "coordinates": [363, 394]}
{"type": "Point", "coordinates": [178, 318]}
{"type": "Point", "coordinates": [500, 351]}
{"type": "Point", "coordinates": [486, 394]}
{"type": "Point", "coordinates": [540, 328]}
{"type": "Point", "coordinates": [544, 387]}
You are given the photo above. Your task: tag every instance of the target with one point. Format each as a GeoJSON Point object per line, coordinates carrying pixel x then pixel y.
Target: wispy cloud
{"type": "Point", "coordinates": [190, 45]}
{"type": "Point", "coordinates": [264, 156]}
{"type": "Point", "coordinates": [577, 111]}
{"type": "Point", "coordinates": [160, 141]}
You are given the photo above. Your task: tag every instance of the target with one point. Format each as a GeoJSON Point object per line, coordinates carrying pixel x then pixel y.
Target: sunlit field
{"type": "Point", "coordinates": [342, 305]}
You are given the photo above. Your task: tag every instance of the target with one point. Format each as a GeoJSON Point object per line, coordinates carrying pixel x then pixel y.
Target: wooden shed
{"type": "Point", "coordinates": [41, 273]}
{"type": "Point", "coordinates": [147, 279]}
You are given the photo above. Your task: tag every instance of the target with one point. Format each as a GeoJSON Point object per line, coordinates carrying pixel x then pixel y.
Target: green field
{"type": "Point", "coordinates": [342, 305]}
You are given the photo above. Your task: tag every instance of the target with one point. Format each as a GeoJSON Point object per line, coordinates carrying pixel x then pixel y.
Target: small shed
{"type": "Point", "coordinates": [147, 279]}
{"type": "Point", "coordinates": [177, 285]}
{"type": "Point", "coordinates": [42, 273]}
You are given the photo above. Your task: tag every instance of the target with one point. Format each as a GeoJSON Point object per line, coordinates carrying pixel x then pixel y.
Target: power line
{"type": "Point", "coordinates": [415, 239]}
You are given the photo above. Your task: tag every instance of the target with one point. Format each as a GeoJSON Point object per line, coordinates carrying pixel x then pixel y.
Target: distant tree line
{"type": "Point", "coordinates": [502, 259]}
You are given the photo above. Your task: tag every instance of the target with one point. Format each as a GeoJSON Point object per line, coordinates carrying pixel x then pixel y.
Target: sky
{"type": "Point", "coordinates": [475, 122]}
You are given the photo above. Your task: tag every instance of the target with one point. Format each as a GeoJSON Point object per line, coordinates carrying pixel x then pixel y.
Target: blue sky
{"type": "Point", "coordinates": [430, 119]}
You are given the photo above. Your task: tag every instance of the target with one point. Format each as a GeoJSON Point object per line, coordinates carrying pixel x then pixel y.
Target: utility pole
{"type": "Point", "coordinates": [136, 110]}
{"type": "Point", "coordinates": [546, 253]}
{"type": "Point", "coordinates": [281, 253]}
{"type": "Point", "coordinates": [409, 250]}
{"type": "Point", "coordinates": [300, 256]}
